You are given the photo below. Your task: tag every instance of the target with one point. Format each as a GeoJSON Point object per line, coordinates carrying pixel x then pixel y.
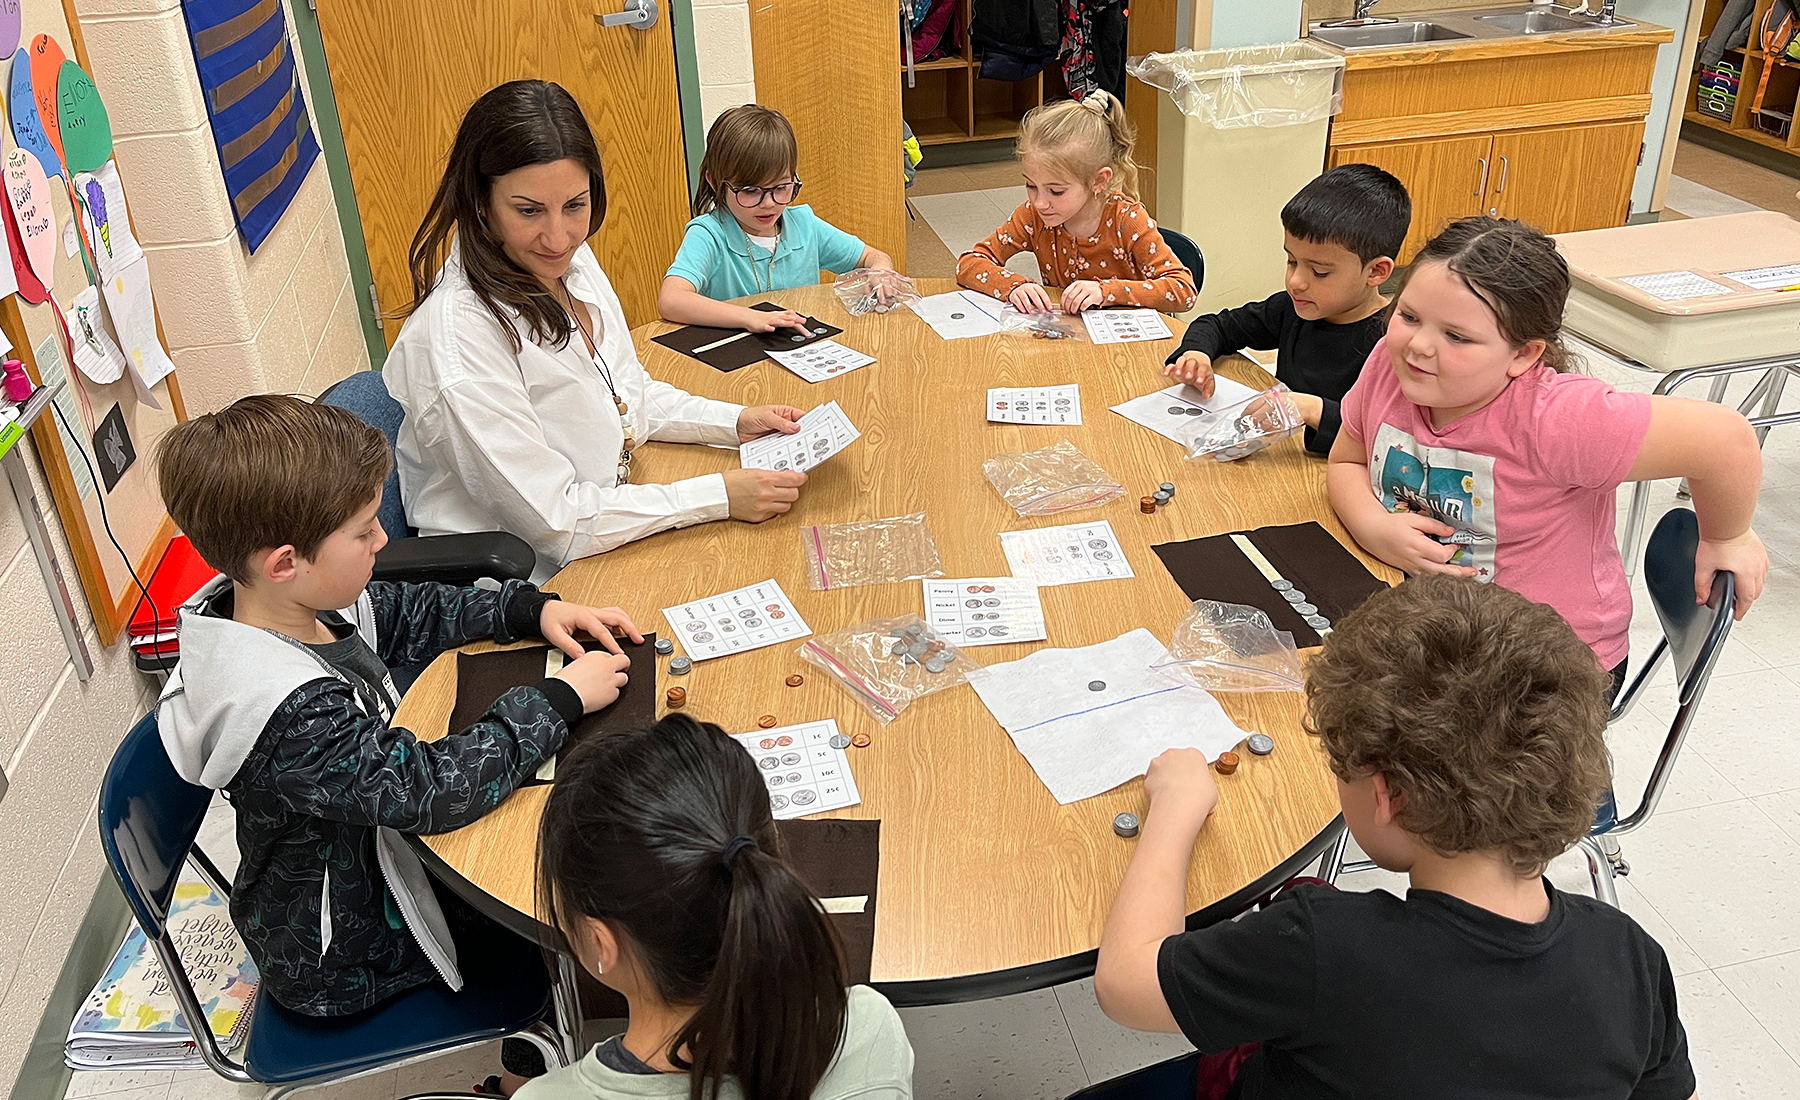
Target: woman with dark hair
{"type": "Point", "coordinates": [660, 863]}
{"type": "Point", "coordinates": [524, 397]}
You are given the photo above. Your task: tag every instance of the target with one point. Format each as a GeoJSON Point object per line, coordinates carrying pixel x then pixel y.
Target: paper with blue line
{"type": "Point", "coordinates": [1082, 740]}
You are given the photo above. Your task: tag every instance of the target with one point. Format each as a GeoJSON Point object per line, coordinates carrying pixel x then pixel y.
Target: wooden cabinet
{"type": "Point", "coordinates": [1559, 179]}
{"type": "Point", "coordinates": [1548, 130]}
{"type": "Point", "coordinates": [948, 101]}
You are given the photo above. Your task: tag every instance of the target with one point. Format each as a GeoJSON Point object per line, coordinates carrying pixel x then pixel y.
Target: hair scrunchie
{"type": "Point", "coordinates": [738, 843]}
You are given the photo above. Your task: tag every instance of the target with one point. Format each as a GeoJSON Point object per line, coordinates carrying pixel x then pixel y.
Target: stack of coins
{"type": "Point", "coordinates": [677, 698]}
{"type": "Point", "coordinates": [1126, 825]}
{"type": "Point", "coordinates": [1147, 505]}
{"type": "Point", "coordinates": [679, 666]}
{"type": "Point", "coordinates": [1161, 498]}
{"type": "Point", "coordinates": [1226, 763]}
{"type": "Point", "coordinates": [664, 646]}
{"type": "Point", "coordinates": [1167, 487]}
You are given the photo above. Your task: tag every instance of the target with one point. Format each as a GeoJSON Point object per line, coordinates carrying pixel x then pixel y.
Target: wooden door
{"type": "Point", "coordinates": [404, 73]}
{"type": "Point", "coordinates": [1566, 178]}
{"type": "Point", "coordinates": [1445, 177]}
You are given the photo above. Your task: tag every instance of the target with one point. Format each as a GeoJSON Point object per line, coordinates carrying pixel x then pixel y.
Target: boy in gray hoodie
{"type": "Point", "coordinates": [282, 699]}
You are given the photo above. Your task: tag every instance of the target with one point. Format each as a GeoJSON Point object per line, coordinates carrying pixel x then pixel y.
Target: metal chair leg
{"type": "Point", "coordinates": [1600, 869]}
{"type": "Point", "coordinates": [1634, 526]}
{"type": "Point", "coordinates": [1331, 864]}
{"type": "Point", "coordinates": [1609, 847]}
{"type": "Point", "coordinates": [567, 996]}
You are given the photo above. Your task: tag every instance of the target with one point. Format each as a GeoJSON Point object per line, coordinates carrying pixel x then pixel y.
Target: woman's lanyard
{"type": "Point", "coordinates": [625, 426]}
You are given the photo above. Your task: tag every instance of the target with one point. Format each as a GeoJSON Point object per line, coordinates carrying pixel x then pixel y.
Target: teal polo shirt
{"type": "Point", "coordinates": [716, 256]}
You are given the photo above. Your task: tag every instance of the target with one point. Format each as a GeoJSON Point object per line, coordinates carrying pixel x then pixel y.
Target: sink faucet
{"type": "Point", "coordinates": [1362, 18]}
{"type": "Point", "coordinates": [1603, 13]}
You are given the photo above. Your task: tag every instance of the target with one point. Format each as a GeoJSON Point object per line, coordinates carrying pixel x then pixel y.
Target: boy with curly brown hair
{"type": "Point", "coordinates": [1465, 725]}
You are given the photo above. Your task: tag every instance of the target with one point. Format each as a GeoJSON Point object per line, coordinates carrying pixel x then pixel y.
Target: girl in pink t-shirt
{"type": "Point", "coordinates": [1467, 450]}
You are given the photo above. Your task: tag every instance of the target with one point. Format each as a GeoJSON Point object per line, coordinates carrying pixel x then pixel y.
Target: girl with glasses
{"type": "Point", "coordinates": [749, 235]}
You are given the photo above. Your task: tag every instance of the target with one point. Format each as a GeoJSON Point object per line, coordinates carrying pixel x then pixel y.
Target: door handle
{"type": "Point", "coordinates": [1482, 186]}
{"type": "Point", "coordinates": [1499, 188]}
{"type": "Point", "coordinates": [638, 14]}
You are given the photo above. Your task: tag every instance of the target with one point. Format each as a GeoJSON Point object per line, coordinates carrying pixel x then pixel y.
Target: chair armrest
{"type": "Point", "coordinates": [456, 559]}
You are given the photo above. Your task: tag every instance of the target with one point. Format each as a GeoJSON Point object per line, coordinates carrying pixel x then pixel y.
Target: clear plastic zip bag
{"type": "Point", "coordinates": [872, 551]}
{"type": "Point", "coordinates": [886, 664]}
{"type": "Point", "coordinates": [1245, 428]}
{"type": "Point", "coordinates": [1050, 325]}
{"type": "Point", "coordinates": [872, 290]}
{"type": "Point", "coordinates": [1053, 479]}
{"type": "Point", "coordinates": [1232, 647]}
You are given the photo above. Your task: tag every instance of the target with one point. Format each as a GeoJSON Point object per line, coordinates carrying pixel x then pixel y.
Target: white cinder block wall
{"type": "Point", "coordinates": [722, 47]}
{"type": "Point", "coordinates": [281, 320]}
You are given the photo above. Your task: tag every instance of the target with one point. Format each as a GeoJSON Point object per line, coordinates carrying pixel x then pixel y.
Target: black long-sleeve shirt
{"type": "Point", "coordinates": [1314, 357]}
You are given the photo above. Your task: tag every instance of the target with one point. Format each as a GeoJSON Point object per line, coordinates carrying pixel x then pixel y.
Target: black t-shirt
{"type": "Point", "coordinates": [1357, 994]}
{"type": "Point", "coordinates": [1313, 357]}
{"type": "Point", "coordinates": [369, 678]}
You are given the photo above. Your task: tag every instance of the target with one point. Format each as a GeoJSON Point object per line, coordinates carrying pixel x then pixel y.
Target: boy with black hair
{"type": "Point", "coordinates": [1343, 231]}
{"type": "Point", "coordinates": [283, 701]}
{"type": "Point", "coordinates": [1466, 726]}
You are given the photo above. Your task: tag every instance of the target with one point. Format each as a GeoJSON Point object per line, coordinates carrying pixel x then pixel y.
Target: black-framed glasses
{"type": "Point", "coordinates": [751, 197]}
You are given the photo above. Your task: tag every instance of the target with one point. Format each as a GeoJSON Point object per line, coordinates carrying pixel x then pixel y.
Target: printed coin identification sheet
{"type": "Point", "coordinates": [823, 432]}
{"type": "Point", "coordinates": [1065, 555]}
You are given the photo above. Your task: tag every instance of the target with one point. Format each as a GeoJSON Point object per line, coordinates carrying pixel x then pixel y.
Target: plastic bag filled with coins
{"type": "Point", "coordinates": [1232, 647]}
{"type": "Point", "coordinates": [885, 664]}
{"type": "Point", "coordinates": [1052, 479]}
{"type": "Point", "coordinates": [868, 290]}
{"type": "Point", "coordinates": [1246, 427]}
{"type": "Point", "coordinates": [1050, 325]}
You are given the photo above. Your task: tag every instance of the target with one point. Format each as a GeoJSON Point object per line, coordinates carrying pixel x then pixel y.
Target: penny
{"type": "Point", "coordinates": [861, 740]}
{"type": "Point", "coordinates": [795, 680]}
{"type": "Point", "coordinates": [1147, 505]}
{"type": "Point", "coordinates": [1226, 763]}
{"type": "Point", "coordinates": [676, 698]}
{"type": "Point", "coordinates": [767, 721]}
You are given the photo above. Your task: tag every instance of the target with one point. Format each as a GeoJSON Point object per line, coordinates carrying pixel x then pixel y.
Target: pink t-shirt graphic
{"type": "Point", "coordinates": [1527, 482]}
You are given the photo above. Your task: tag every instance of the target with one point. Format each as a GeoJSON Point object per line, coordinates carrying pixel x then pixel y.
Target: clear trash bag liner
{"type": "Point", "coordinates": [872, 551]}
{"type": "Point", "coordinates": [1232, 647]}
{"type": "Point", "coordinates": [885, 664]}
{"type": "Point", "coordinates": [1283, 84]}
{"type": "Point", "coordinates": [1051, 325]}
{"type": "Point", "coordinates": [1057, 478]}
{"type": "Point", "coordinates": [871, 290]}
{"type": "Point", "coordinates": [1245, 428]}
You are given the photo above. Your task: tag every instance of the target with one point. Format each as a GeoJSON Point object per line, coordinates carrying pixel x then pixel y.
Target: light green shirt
{"type": "Point", "coordinates": [874, 1063]}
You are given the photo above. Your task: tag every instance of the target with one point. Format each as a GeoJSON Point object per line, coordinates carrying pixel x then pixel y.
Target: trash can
{"type": "Point", "coordinates": [1238, 133]}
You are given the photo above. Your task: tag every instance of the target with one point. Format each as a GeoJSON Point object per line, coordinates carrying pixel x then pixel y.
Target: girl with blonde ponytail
{"type": "Point", "coordinates": [1082, 219]}
{"type": "Point", "coordinates": [659, 862]}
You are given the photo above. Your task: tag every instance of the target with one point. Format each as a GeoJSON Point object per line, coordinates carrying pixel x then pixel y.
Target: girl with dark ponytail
{"type": "Point", "coordinates": [659, 862]}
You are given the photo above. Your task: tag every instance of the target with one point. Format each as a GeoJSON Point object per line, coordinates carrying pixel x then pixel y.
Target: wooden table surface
{"type": "Point", "coordinates": [987, 885]}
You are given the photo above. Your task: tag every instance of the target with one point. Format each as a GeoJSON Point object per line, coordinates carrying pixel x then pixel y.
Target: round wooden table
{"type": "Point", "coordinates": [986, 886]}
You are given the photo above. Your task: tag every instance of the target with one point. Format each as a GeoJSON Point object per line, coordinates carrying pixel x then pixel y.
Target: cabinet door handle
{"type": "Point", "coordinates": [1500, 187]}
{"type": "Point", "coordinates": [1482, 185]}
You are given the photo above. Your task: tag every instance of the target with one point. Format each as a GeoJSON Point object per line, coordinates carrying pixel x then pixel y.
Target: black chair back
{"type": "Point", "coordinates": [1187, 252]}
{"type": "Point", "coordinates": [1695, 632]}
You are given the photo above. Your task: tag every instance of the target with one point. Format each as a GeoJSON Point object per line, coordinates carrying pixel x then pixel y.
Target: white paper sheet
{"type": "Point", "coordinates": [984, 610]}
{"type": "Point", "coordinates": [1123, 326]}
{"type": "Point", "coordinates": [108, 220]}
{"type": "Point", "coordinates": [133, 311]}
{"type": "Point", "coordinates": [960, 314]}
{"type": "Point", "coordinates": [95, 353]}
{"type": "Point", "coordinates": [1035, 405]}
{"type": "Point", "coordinates": [825, 359]}
{"type": "Point", "coordinates": [746, 618]}
{"type": "Point", "coordinates": [1069, 554]}
{"type": "Point", "coordinates": [804, 774]}
{"type": "Point", "coordinates": [1170, 412]}
{"type": "Point", "coordinates": [1676, 286]}
{"type": "Point", "coordinates": [1083, 741]}
{"type": "Point", "coordinates": [1778, 277]}
{"type": "Point", "coordinates": [823, 432]}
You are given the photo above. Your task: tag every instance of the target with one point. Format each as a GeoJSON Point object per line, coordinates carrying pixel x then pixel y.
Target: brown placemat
{"type": "Point", "coordinates": [482, 678]}
{"type": "Point", "coordinates": [748, 348]}
{"type": "Point", "coordinates": [1333, 580]}
{"type": "Point", "coordinates": [840, 858]}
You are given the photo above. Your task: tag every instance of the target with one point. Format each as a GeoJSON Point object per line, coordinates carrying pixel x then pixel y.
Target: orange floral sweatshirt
{"type": "Point", "coordinates": [1126, 256]}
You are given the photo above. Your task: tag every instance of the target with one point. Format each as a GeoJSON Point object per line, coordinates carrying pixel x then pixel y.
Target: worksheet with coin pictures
{"type": "Point", "coordinates": [804, 767]}
{"type": "Point", "coordinates": [1123, 326]}
{"type": "Point", "coordinates": [984, 610]}
{"type": "Point", "coordinates": [733, 622]}
{"type": "Point", "coordinates": [1065, 555]}
{"type": "Point", "coordinates": [824, 431]}
{"type": "Point", "coordinates": [1035, 405]}
{"type": "Point", "coordinates": [823, 360]}
{"type": "Point", "coordinates": [1170, 412]}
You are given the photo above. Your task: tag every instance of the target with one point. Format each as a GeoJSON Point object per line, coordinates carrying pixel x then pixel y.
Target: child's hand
{"type": "Point", "coordinates": [1196, 370]}
{"type": "Point", "coordinates": [759, 420]}
{"type": "Point", "coordinates": [1081, 295]}
{"type": "Point", "coordinates": [756, 495]}
{"type": "Point", "coordinates": [758, 320]}
{"type": "Point", "coordinates": [1744, 557]}
{"type": "Point", "coordinates": [597, 677]}
{"type": "Point", "coordinates": [559, 621]}
{"type": "Point", "coordinates": [1310, 406]}
{"type": "Point", "coordinates": [1181, 790]}
{"type": "Point", "coordinates": [1030, 298]}
{"type": "Point", "coordinates": [1403, 540]}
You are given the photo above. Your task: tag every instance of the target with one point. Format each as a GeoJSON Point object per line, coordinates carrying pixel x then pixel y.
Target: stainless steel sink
{"type": "Point", "coordinates": [1541, 22]}
{"type": "Point", "coordinates": [1385, 34]}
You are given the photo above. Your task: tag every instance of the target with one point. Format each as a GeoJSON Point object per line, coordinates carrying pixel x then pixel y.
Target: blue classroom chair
{"type": "Point", "coordinates": [1187, 252]}
{"type": "Point", "coordinates": [149, 817]}
{"type": "Point", "coordinates": [1170, 1080]}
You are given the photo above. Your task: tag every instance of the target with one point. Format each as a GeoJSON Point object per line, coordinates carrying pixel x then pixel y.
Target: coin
{"type": "Point", "coordinates": [1305, 609]}
{"type": "Point", "coordinates": [839, 741]}
{"type": "Point", "coordinates": [795, 680]}
{"type": "Point", "coordinates": [665, 646]}
{"type": "Point", "coordinates": [767, 721]}
{"type": "Point", "coordinates": [936, 665]}
{"type": "Point", "coordinates": [1126, 825]}
{"type": "Point", "coordinates": [1281, 584]}
{"type": "Point", "coordinates": [861, 740]}
{"type": "Point", "coordinates": [1294, 595]}
{"type": "Point", "coordinates": [1096, 685]}
{"type": "Point", "coordinates": [1318, 622]}
{"type": "Point", "coordinates": [1260, 743]}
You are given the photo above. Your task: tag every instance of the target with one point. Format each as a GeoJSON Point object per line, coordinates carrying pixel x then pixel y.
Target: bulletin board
{"type": "Point", "coordinates": [97, 455]}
